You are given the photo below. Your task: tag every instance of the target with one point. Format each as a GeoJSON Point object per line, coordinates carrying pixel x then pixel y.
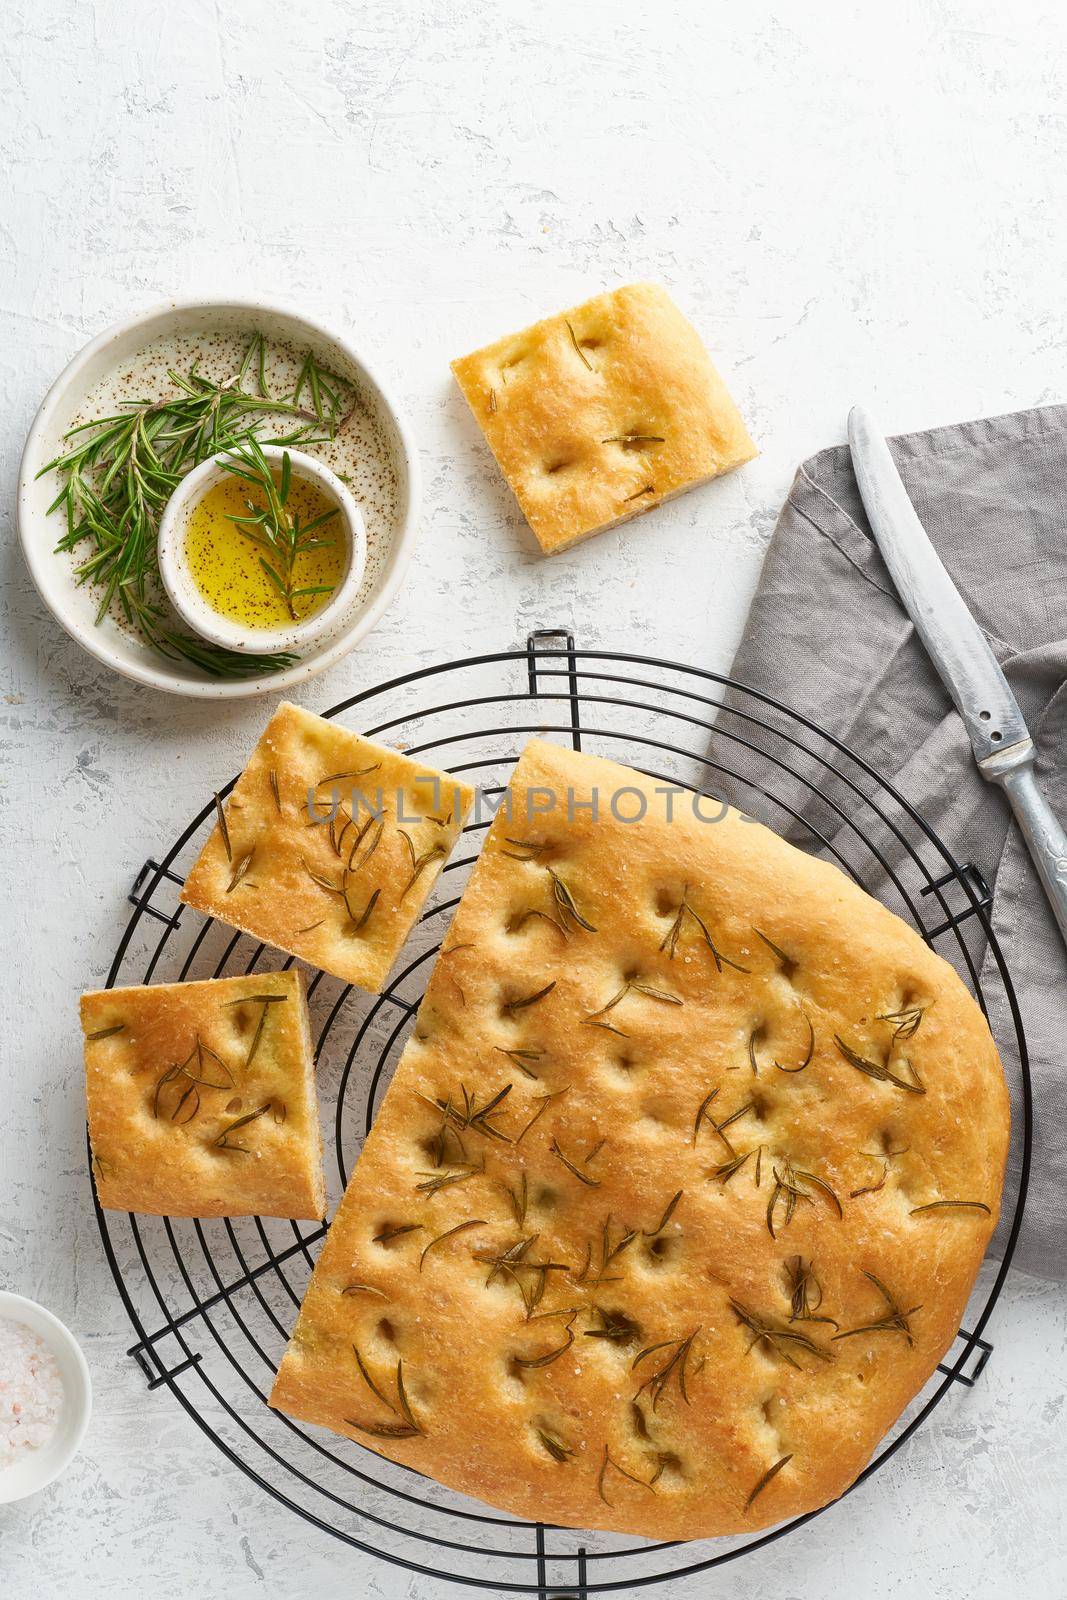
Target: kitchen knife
{"type": "Point", "coordinates": [961, 653]}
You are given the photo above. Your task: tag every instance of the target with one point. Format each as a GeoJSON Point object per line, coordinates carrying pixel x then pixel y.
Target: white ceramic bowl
{"type": "Point", "coordinates": [390, 526]}
{"type": "Point", "coordinates": [35, 1469]}
{"type": "Point", "coordinates": [182, 589]}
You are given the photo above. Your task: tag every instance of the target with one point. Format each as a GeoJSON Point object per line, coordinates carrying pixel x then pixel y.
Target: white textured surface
{"type": "Point", "coordinates": [852, 201]}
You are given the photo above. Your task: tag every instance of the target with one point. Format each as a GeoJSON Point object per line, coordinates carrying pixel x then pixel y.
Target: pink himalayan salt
{"type": "Point", "coordinates": [31, 1391]}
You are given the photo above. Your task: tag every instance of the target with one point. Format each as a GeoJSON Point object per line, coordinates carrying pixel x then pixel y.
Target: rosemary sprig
{"type": "Point", "coordinates": [952, 1205]}
{"type": "Point", "coordinates": [369, 1381]}
{"type": "Point", "coordinates": [377, 827]}
{"type": "Point", "coordinates": [434, 1182]}
{"type": "Point", "coordinates": [788, 965]}
{"type": "Point", "coordinates": [519, 921]}
{"type": "Point", "coordinates": [383, 1430]}
{"type": "Point", "coordinates": [880, 1070]}
{"type": "Point", "coordinates": [278, 533]}
{"type": "Point", "coordinates": [894, 1321]}
{"type": "Point", "coordinates": [732, 1166]}
{"type": "Point", "coordinates": [674, 1366]}
{"type": "Point", "coordinates": [189, 1097]}
{"type": "Point", "coordinates": [514, 1263]}
{"type": "Point", "coordinates": [106, 1033]}
{"type": "Point", "coordinates": [572, 1167]}
{"type": "Point", "coordinates": [885, 1156]}
{"type": "Point", "coordinates": [320, 880]}
{"type": "Point", "coordinates": [577, 347]}
{"type": "Point", "coordinates": [239, 870]}
{"type": "Point", "coordinates": [506, 1260]}
{"type": "Point", "coordinates": [668, 1213]}
{"type": "Point", "coordinates": [520, 1004]}
{"type": "Point", "coordinates": [461, 1227]}
{"type": "Point", "coordinates": [454, 981]}
{"type": "Point", "coordinates": [719, 1128]}
{"type": "Point", "coordinates": [702, 1114]}
{"type": "Point", "coordinates": [771, 1472]}
{"type": "Point", "coordinates": [336, 838]}
{"type": "Point", "coordinates": [543, 1103]}
{"type": "Point", "coordinates": [356, 924]}
{"type": "Point", "coordinates": [223, 829]}
{"type": "Point", "coordinates": [546, 1360]}
{"type": "Point", "coordinates": [223, 1140]}
{"type": "Point", "coordinates": [446, 1135]}
{"type": "Point", "coordinates": [402, 1398]}
{"type": "Point", "coordinates": [808, 1054]}
{"type": "Point", "coordinates": [777, 1338]}
{"type": "Point", "coordinates": [609, 1251]}
{"type": "Point", "coordinates": [388, 1234]}
{"type": "Point", "coordinates": [608, 1027]}
{"type": "Point", "coordinates": [565, 905]}
{"type": "Point", "coordinates": [472, 1115]}
{"type": "Point", "coordinates": [609, 1461]}
{"type": "Point", "coordinates": [557, 1449]}
{"type": "Point", "coordinates": [520, 1058]}
{"type": "Point", "coordinates": [355, 773]}
{"type": "Point", "coordinates": [405, 1429]}
{"type": "Point", "coordinates": [805, 1292]}
{"type": "Point", "coordinates": [119, 471]}
{"type": "Point", "coordinates": [631, 986]}
{"type": "Point", "coordinates": [794, 1185]}
{"type": "Point", "coordinates": [199, 1051]}
{"type": "Point", "coordinates": [526, 849]}
{"type": "Point", "coordinates": [615, 1327]}
{"type": "Point", "coordinates": [419, 863]}
{"type": "Point", "coordinates": [685, 909]}
{"type": "Point", "coordinates": [266, 1001]}
{"type": "Point", "coordinates": [518, 1199]}
{"type": "Point", "coordinates": [905, 1023]}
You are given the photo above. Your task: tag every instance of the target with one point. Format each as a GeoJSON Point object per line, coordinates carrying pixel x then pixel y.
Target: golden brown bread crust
{"type": "Point", "coordinates": [171, 1067]}
{"type": "Point", "coordinates": [602, 412]}
{"type": "Point", "coordinates": [710, 1172]}
{"type": "Point", "coordinates": [396, 824]}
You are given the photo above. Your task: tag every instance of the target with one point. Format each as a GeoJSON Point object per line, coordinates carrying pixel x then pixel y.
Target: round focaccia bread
{"type": "Point", "coordinates": [681, 1183]}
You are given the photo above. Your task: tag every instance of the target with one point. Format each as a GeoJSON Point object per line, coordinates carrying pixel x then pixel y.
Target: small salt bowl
{"type": "Point", "coordinates": [35, 1467]}
{"type": "Point", "coordinates": [187, 599]}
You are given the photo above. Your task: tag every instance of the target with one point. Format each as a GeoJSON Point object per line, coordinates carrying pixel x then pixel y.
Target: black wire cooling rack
{"type": "Point", "coordinates": [212, 1302]}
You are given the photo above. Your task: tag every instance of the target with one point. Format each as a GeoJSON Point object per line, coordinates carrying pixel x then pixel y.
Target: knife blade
{"type": "Point", "coordinates": [961, 654]}
{"type": "Point", "coordinates": [955, 643]}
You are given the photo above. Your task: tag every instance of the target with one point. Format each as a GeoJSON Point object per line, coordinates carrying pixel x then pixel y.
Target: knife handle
{"type": "Point", "coordinates": [1045, 839]}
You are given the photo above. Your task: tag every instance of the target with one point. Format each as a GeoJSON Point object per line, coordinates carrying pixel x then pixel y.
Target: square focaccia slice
{"type": "Point", "coordinates": [602, 412]}
{"type": "Point", "coordinates": [680, 1186]}
{"type": "Point", "coordinates": [328, 846]}
{"type": "Point", "coordinates": [202, 1098]}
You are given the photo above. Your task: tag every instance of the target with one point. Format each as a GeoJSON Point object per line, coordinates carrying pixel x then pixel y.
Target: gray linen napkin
{"type": "Point", "coordinates": [827, 634]}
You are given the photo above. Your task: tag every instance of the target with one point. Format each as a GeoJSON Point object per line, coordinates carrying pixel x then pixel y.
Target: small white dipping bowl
{"type": "Point", "coordinates": [35, 1469]}
{"type": "Point", "coordinates": [184, 593]}
{"type": "Point", "coordinates": [386, 443]}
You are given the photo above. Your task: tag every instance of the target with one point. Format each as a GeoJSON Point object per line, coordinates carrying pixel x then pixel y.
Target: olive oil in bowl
{"type": "Point", "coordinates": [262, 548]}
{"type": "Point", "coordinates": [227, 566]}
